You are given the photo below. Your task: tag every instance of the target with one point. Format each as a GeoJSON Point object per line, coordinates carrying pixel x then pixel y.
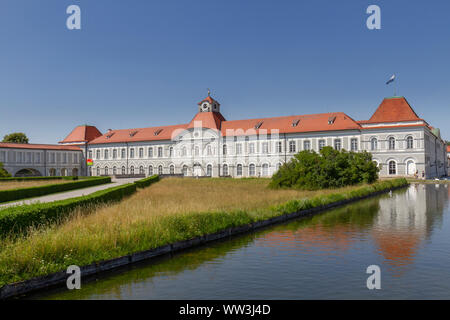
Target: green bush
{"type": "Point", "coordinates": [3, 172]}
{"type": "Point", "coordinates": [330, 168]}
{"type": "Point", "coordinates": [19, 218]}
{"type": "Point", "coordinates": [23, 193]}
{"type": "Point", "coordinates": [147, 181]}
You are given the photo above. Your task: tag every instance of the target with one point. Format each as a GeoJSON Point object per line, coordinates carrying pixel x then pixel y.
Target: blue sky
{"type": "Point", "coordinates": [139, 63]}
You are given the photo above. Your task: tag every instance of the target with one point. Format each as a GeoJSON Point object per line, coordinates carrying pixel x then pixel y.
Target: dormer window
{"type": "Point", "coordinates": [331, 120]}
{"type": "Point", "coordinates": [133, 133]}
{"type": "Point", "coordinates": [295, 122]}
{"type": "Point", "coordinates": [157, 132]}
{"type": "Point", "coordinates": [258, 125]}
{"type": "Point", "coordinates": [109, 135]}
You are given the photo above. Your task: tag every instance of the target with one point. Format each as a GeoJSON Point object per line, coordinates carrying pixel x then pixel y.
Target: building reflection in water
{"type": "Point", "coordinates": [397, 226]}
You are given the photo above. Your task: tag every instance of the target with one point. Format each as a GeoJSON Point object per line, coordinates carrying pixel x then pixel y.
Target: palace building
{"type": "Point", "coordinates": [402, 144]}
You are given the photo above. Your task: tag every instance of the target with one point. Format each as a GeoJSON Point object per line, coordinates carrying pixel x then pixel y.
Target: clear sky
{"type": "Point", "coordinates": [140, 63]}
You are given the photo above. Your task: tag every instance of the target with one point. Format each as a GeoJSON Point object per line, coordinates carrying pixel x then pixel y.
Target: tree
{"type": "Point", "coordinates": [3, 172]}
{"type": "Point", "coordinates": [15, 137]}
{"type": "Point", "coordinates": [328, 169]}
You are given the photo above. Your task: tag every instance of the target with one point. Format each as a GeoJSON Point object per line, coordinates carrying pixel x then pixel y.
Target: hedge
{"type": "Point", "coordinates": [47, 178]}
{"type": "Point", "coordinates": [22, 193]}
{"type": "Point", "coordinates": [147, 181]}
{"type": "Point", "coordinates": [19, 218]}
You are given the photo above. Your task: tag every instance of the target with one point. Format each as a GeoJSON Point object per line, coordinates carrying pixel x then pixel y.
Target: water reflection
{"type": "Point", "coordinates": [406, 233]}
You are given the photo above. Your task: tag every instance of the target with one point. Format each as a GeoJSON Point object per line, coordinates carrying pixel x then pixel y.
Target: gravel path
{"type": "Point", "coordinates": [69, 194]}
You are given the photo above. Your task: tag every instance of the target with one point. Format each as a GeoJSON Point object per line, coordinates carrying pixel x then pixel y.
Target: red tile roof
{"type": "Point", "coordinates": [82, 134]}
{"type": "Point", "coordinates": [210, 120]}
{"type": "Point", "coordinates": [393, 109]}
{"type": "Point", "coordinates": [38, 146]}
{"type": "Point", "coordinates": [448, 149]}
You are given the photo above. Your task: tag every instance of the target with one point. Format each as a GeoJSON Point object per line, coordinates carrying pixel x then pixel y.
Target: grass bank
{"type": "Point", "coordinates": [170, 211]}
{"type": "Point", "coordinates": [19, 184]}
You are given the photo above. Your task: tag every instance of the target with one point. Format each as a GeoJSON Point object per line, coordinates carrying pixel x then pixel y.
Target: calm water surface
{"type": "Point", "coordinates": [320, 257]}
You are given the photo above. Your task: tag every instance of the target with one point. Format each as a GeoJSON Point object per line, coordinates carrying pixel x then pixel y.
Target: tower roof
{"type": "Point", "coordinates": [210, 120]}
{"type": "Point", "coordinates": [82, 134]}
{"type": "Point", "coordinates": [394, 109]}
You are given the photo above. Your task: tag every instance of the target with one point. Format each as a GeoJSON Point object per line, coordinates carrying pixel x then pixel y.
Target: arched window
{"type": "Point", "coordinates": [160, 170]}
{"type": "Point", "coordinates": [208, 150]}
{"type": "Point", "coordinates": [106, 171]}
{"type": "Point", "coordinates": [123, 170]}
{"type": "Point", "coordinates": [265, 169]}
{"type": "Point", "coordinates": [185, 170]}
{"type": "Point", "coordinates": [141, 170]}
{"type": "Point", "coordinates": [150, 170]}
{"type": "Point", "coordinates": [114, 170]}
{"type": "Point", "coordinates": [209, 170]}
{"type": "Point", "coordinates": [239, 170]}
{"type": "Point", "coordinates": [291, 146]}
{"type": "Point", "coordinates": [225, 170]}
{"type": "Point", "coordinates": [251, 170]}
{"type": "Point", "coordinates": [392, 167]}
{"type": "Point", "coordinates": [391, 143]}
{"type": "Point", "coordinates": [224, 149]}
{"type": "Point", "coordinates": [98, 171]}
{"type": "Point", "coordinates": [374, 144]}
{"type": "Point", "coordinates": [172, 169]}
{"type": "Point", "coordinates": [132, 170]}
{"type": "Point", "coordinates": [409, 142]}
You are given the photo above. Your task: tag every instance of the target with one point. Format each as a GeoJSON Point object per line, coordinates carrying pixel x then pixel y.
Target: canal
{"type": "Point", "coordinates": [407, 234]}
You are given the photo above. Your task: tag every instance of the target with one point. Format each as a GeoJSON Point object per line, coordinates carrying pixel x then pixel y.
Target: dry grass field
{"type": "Point", "coordinates": [171, 210]}
{"type": "Point", "coordinates": [7, 185]}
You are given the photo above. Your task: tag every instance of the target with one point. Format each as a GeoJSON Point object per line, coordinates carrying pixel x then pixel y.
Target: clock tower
{"type": "Point", "coordinates": [208, 105]}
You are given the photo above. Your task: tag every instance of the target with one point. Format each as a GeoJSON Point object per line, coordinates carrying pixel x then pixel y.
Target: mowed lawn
{"type": "Point", "coordinates": [167, 211]}
{"type": "Point", "coordinates": [7, 185]}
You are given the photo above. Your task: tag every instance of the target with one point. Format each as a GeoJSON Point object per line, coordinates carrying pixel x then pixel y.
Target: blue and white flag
{"type": "Point", "coordinates": [391, 79]}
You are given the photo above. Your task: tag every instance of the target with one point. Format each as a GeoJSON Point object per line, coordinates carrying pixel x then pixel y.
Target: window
{"type": "Point", "coordinates": [122, 153]}
{"type": "Point", "coordinates": [185, 170]}
{"type": "Point", "coordinates": [251, 170]}
{"type": "Point", "coordinates": [225, 170]}
{"type": "Point", "coordinates": [374, 144]}
{"type": "Point", "coordinates": [141, 170]}
{"type": "Point", "coordinates": [197, 151]}
{"type": "Point", "coordinates": [238, 148]}
{"type": "Point", "coordinates": [106, 171]}
{"type": "Point", "coordinates": [209, 150]}
{"type": "Point", "coordinates": [239, 170]}
{"type": "Point", "coordinates": [97, 155]}
{"type": "Point", "coordinates": [265, 147]}
{"type": "Point", "coordinates": [184, 151]}
{"type": "Point", "coordinates": [306, 145]}
{"type": "Point", "coordinates": [224, 149]}
{"type": "Point", "coordinates": [132, 153]}
{"type": "Point", "coordinates": [354, 144]}
{"type": "Point", "coordinates": [409, 142]}
{"type": "Point", "coordinates": [209, 170]}
{"type": "Point", "coordinates": [391, 143]}
{"type": "Point", "coordinates": [150, 170]}
{"type": "Point", "coordinates": [251, 148]}
{"type": "Point", "coordinates": [114, 170]}
{"type": "Point", "coordinates": [150, 152]}
{"type": "Point", "coordinates": [160, 152]}
{"type": "Point", "coordinates": [90, 154]}
{"type": "Point", "coordinates": [123, 170]}
{"type": "Point", "coordinates": [106, 154]}
{"type": "Point", "coordinates": [132, 170]}
{"type": "Point", "coordinates": [172, 169]}
{"type": "Point", "coordinates": [160, 170]}
{"type": "Point", "coordinates": [114, 153]}
{"type": "Point", "coordinates": [98, 171]}
{"type": "Point", "coordinates": [141, 152]}
{"type": "Point", "coordinates": [337, 144]}
{"type": "Point", "coordinates": [392, 167]}
{"type": "Point", "coordinates": [279, 147]}
{"type": "Point", "coordinates": [321, 144]}
{"type": "Point", "coordinates": [265, 169]}
{"type": "Point", "coordinates": [291, 146]}
{"type": "Point", "coordinates": [171, 151]}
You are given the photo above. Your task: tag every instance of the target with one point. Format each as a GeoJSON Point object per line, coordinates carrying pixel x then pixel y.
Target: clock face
{"type": "Point", "coordinates": [205, 106]}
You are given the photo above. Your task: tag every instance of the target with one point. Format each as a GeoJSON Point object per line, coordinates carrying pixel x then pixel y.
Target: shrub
{"type": "Point", "coordinates": [22, 193]}
{"type": "Point", "coordinates": [3, 172]}
{"type": "Point", "coordinates": [328, 169]}
{"type": "Point", "coordinates": [147, 181]}
{"type": "Point", "coordinates": [19, 218]}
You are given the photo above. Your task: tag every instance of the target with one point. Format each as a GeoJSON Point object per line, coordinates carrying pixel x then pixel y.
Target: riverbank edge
{"type": "Point", "coordinates": [59, 278]}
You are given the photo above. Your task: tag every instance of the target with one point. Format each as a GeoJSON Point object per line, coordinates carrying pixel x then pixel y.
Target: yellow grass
{"type": "Point", "coordinates": [7, 185]}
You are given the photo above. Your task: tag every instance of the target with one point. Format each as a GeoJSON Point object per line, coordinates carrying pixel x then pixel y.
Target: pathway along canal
{"type": "Point", "coordinates": [319, 257]}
